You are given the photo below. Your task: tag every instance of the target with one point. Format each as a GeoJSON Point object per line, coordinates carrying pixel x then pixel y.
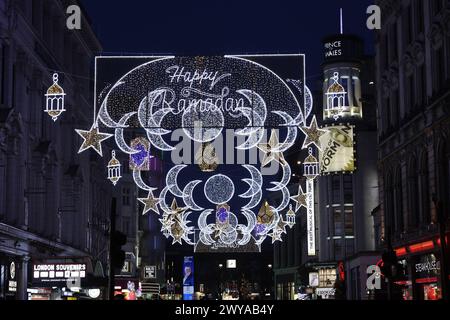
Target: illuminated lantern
{"type": "Point", "coordinates": [311, 166]}
{"type": "Point", "coordinates": [290, 217]}
{"type": "Point", "coordinates": [140, 161]}
{"type": "Point", "coordinates": [114, 169]}
{"type": "Point", "coordinates": [206, 158]}
{"type": "Point", "coordinates": [336, 95]}
{"type": "Point", "coordinates": [55, 99]}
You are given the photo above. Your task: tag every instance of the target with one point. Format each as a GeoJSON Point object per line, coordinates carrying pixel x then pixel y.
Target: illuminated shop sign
{"type": "Point", "coordinates": [150, 272]}
{"type": "Point", "coordinates": [427, 266]}
{"type": "Point", "coordinates": [338, 154]}
{"type": "Point", "coordinates": [342, 47]}
{"type": "Point", "coordinates": [12, 282]}
{"type": "Point", "coordinates": [333, 49]}
{"type": "Point", "coordinates": [58, 272]}
{"type": "Point", "coordinates": [231, 264]}
{"type": "Point", "coordinates": [326, 293]}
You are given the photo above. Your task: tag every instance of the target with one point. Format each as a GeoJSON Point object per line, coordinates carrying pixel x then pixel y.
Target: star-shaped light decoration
{"type": "Point", "coordinates": [166, 223]}
{"type": "Point", "coordinates": [176, 210]}
{"type": "Point", "coordinates": [300, 199]}
{"type": "Point", "coordinates": [268, 149]}
{"type": "Point", "coordinates": [150, 203]}
{"type": "Point", "coordinates": [282, 226]}
{"type": "Point", "coordinates": [313, 134]}
{"type": "Point", "coordinates": [93, 139]}
{"type": "Point", "coordinates": [275, 235]}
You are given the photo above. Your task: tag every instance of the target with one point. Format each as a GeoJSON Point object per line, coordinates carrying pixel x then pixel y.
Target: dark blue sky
{"type": "Point", "coordinates": [225, 26]}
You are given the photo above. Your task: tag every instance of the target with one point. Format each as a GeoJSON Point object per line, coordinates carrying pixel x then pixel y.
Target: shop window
{"type": "Point", "coordinates": [327, 277]}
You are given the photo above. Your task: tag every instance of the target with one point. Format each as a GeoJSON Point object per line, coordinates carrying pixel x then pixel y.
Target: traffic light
{"type": "Point", "coordinates": [118, 239]}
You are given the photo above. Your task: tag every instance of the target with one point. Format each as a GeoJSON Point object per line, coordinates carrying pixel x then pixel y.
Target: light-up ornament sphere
{"type": "Point", "coordinates": [219, 189]}
{"type": "Point", "coordinates": [203, 122]}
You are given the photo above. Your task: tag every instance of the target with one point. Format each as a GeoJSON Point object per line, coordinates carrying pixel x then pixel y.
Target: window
{"type": "Point", "coordinates": [398, 202]}
{"type": "Point", "coordinates": [4, 75]}
{"type": "Point", "coordinates": [407, 26]}
{"type": "Point", "coordinates": [395, 108]}
{"type": "Point", "coordinates": [422, 85]}
{"type": "Point", "coordinates": [394, 42]}
{"type": "Point", "coordinates": [338, 222]}
{"type": "Point", "coordinates": [419, 14]}
{"type": "Point", "coordinates": [336, 189]}
{"type": "Point", "coordinates": [126, 196]}
{"type": "Point", "coordinates": [441, 67]}
{"type": "Point", "coordinates": [413, 194]}
{"type": "Point", "coordinates": [436, 6]}
{"type": "Point", "coordinates": [388, 119]}
{"type": "Point", "coordinates": [327, 277]}
{"type": "Point", "coordinates": [338, 249]}
{"type": "Point", "coordinates": [349, 230]}
{"type": "Point", "coordinates": [424, 191]}
{"type": "Point", "coordinates": [14, 86]}
{"type": "Point", "coordinates": [348, 189]}
{"type": "Point", "coordinates": [444, 178]}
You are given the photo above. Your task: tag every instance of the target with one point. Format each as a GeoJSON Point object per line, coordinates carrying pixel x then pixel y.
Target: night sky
{"type": "Point", "coordinates": [203, 27]}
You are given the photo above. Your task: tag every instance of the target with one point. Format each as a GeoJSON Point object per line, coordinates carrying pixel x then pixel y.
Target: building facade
{"type": "Point", "coordinates": [348, 187]}
{"type": "Point", "coordinates": [54, 204]}
{"type": "Point", "coordinates": [347, 190]}
{"type": "Point", "coordinates": [413, 77]}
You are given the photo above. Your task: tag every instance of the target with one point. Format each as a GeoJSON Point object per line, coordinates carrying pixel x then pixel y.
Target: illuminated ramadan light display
{"type": "Point", "coordinates": [204, 98]}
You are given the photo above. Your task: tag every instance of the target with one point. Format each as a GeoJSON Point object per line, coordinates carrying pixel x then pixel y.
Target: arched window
{"type": "Point", "coordinates": [398, 201]}
{"type": "Point", "coordinates": [389, 209]}
{"type": "Point", "coordinates": [413, 195]}
{"type": "Point", "coordinates": [425, 213]}
{"type": "Point", "coordinates": [444, 176]}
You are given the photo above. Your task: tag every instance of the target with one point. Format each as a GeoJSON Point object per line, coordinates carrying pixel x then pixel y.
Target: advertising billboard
{"type": "Point", "coordinates": [338, 153]}
{"type": "Point", "coordinates": [188, 278]}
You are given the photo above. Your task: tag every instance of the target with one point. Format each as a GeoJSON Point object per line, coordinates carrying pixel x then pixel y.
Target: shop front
{"type": "Point", "coordinates": [9, 277]}
{"type": "Point", "coordinates": [422, 271]}
{"type": "Point", "coordinates": [65, 279]}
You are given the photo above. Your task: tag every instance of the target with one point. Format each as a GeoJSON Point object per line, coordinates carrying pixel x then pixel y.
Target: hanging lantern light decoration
{"type": "Point", "coordinates": [311, 166]}
{"type": "Point", "coordinates": [206, 157]}
{"type": "Point", "coordinates": [55, 99]}
{"type": "Point", "coordinates": [114, 169]}
{"type": "Point", "coordinates": [290, 217]}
